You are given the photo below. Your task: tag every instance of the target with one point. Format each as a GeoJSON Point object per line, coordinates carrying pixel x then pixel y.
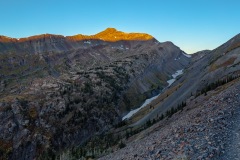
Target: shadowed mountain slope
{"type": "Point", "coordinates": [56, 92]}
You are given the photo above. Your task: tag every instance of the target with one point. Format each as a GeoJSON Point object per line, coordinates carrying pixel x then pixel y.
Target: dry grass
{"type": "Point", "coordinates": [33, 112]}
{"type": "Point", "coordinates": [5, 146]}
{"type": "Point", "coordinates": [234, 46]}
{"type": "Point", "coordinates": [228, 62]}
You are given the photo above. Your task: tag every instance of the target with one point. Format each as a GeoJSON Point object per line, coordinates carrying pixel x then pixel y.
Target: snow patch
{"type": "Point", "coordinates": [121, 48]}
{"type": "Point", "coordinates": [179, 72]}
{"type": "Point", "coordinates": [187, 55]}
{"type": "Point", "coordinates": [132, 112]}
{"type": "Point", "coordinates": [148, 101]}
{"type": "Point", "coordinates": [87, 42]}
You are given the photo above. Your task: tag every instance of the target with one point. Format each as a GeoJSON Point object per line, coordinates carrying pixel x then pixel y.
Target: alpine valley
{"type": "Point", "coordinates": [66, 98]}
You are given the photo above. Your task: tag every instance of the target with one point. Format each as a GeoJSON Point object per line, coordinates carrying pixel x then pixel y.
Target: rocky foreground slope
{"type": "Point", "coordinates": [207, 128]}
{"type": "Point", "coordinates": [57, 92]}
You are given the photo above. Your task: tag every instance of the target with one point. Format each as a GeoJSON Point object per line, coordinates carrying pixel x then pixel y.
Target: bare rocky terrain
{"type": "Point", "coordinates": [207, 128]}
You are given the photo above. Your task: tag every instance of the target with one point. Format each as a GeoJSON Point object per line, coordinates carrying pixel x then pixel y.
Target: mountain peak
{"type": "Point", "coordinates": [113, 35]}
{"type": "Point", "coordinates": [110, 30]}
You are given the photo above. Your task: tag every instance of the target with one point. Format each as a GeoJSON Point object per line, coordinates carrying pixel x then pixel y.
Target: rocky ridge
{"type": "Point", "coordinates": [109, 34]}
{"type": "Point", "coordinates": [112, 35]}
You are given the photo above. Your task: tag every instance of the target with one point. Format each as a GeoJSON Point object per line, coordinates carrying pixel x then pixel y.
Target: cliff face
{"type": "Point", "coordinates": [57, 91]}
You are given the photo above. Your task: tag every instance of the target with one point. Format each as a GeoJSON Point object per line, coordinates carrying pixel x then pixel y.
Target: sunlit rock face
{"type": "Point", "coordinates": [110, 35]}
{"type": "Point", "coordinates": [113, 35]}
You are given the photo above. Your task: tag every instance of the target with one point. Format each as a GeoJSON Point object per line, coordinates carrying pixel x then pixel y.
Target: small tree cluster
{"type": "Point", "coordinates": [216, 84]}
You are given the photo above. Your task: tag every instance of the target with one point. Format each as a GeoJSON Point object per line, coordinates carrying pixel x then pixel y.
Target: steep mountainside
{"type": "Point", "coordinates": [214, 66]}
{"type": "Point", "coordinates": [207, 128]}
{"type": "Point", "coordinates": [56, 92]}
{"type": "Point", "coordinates": [197, 117]}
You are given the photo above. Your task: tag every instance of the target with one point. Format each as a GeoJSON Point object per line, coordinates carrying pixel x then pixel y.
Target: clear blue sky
{"type": "Point", "coordinates": [192, 25]}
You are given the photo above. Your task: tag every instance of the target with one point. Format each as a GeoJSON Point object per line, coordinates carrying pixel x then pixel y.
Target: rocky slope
{"type": "Point", "coordinates": [56, 92]}
{"type": "Point", "coordinates": [214, 66]}
{"type": "Point", "coordinates": [198, 115]}
{"type": "Point", "coordinates": [207, 128]}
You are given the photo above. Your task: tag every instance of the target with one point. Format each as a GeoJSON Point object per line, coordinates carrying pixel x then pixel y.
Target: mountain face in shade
{"type": "Point", "coordinates": [58, 43]}
{"type": "Point", "coordinates": [57, 92]}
